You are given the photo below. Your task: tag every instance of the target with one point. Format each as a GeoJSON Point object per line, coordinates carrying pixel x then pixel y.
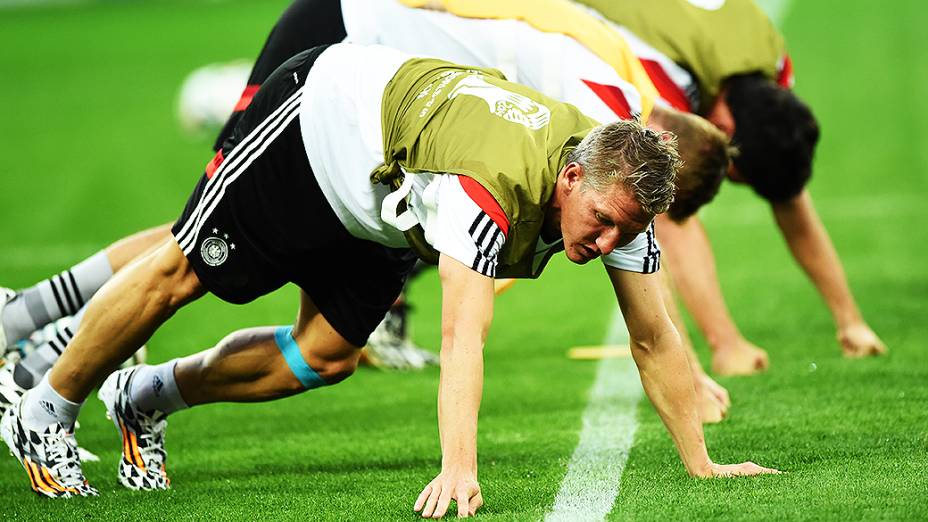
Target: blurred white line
{"type": "Point", "coordinates": [591, 485]}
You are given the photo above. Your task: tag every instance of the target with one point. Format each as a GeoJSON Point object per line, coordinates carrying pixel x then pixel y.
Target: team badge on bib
{"type": "Point", "coordinates": [214, 251]}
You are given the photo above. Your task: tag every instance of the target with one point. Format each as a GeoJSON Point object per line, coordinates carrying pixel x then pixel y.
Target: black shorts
{"type": "Point", "coordinates": [304, 25]}
{"type": "Point", "coordinates": [258, 220]}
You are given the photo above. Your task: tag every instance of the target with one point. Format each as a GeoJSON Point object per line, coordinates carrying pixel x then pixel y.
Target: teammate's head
{"type": "Point", "coordinates": [706, 155]}
{"type": "Point", "coordinates": [617, 179]}
{"type": "Point", "coordinates": [776, 134]}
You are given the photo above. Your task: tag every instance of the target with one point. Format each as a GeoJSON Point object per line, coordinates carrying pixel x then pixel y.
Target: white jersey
{"type": "Point", "coordinates": [553, 64]}
{"type": "Point", "coordinates": [340, 120]}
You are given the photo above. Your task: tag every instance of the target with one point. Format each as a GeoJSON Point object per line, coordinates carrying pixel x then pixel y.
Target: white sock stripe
{"type": "Point", "coordinates": [236, 156]}
{"type": "Point", "coordinates": [232, 177]}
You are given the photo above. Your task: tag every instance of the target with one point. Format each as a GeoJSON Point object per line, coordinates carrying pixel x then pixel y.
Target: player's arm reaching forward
{"type": "Point", "coordinates": [809, 242]}
{"type": "Point", "coordinates": [665, 372]}
{"type": "Point", "coordinates": [467, 309]}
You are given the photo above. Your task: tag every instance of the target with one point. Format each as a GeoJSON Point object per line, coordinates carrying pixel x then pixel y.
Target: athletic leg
{"type": "Point", "coordinates": [66, 293]}
{"type": "Point", "coordinates": [257, 364]}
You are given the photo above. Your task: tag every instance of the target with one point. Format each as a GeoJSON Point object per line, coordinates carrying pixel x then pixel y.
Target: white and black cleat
{"type": "Point", "coordinates": [49, 457]}
{"type": "Point", "coordinates": [10, 392]}
{"type": "Point", "coordinates": [142, 466]}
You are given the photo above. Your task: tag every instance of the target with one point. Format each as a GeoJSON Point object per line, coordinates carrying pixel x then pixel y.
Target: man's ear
{"type": "Point", "coordinates": [572, 175]}
{"type": "Point", "coordinates": [720, 115]}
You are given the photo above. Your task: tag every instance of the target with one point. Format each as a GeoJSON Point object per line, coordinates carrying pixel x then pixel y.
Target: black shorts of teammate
{"type": "Point", "coordinates": [258, 220]}
{"type": "Point", "coordinates": [304, 25]}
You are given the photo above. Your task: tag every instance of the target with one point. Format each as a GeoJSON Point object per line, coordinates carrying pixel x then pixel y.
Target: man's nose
{"type": "Point", "coordinates": [607, 241]}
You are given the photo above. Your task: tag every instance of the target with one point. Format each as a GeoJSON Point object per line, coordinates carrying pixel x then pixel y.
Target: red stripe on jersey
{"type": "Point", "coordinates": [486, 202]}
{"type": "Point", "coordinates": [613, 97]}
{"type": "Point", "coordinates": [214, 164]}
{"type": "Point", "coordinates": [669, 91]}
{"type": "Point", "coordinates": [785, 75]}
{"type": "Point", "coordinates": [245, 100]}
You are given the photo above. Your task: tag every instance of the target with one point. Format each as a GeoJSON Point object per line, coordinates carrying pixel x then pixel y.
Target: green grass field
{"type": "Point", "coordinates": [91, 151]}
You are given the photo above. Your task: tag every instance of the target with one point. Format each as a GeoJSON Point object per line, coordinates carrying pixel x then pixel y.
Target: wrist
{"type": "Point", "coordinates": [459, 465]}
{"type": "Point", "coordinates": [723, 341]}
{"type": "Point", "coordinates": [701, 470]}
{"type": "Point", "coordinates": [846, 320]}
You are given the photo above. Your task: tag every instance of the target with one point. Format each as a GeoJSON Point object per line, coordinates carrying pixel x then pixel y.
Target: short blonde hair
{"type": "Point", "coordinates": [643, 160]}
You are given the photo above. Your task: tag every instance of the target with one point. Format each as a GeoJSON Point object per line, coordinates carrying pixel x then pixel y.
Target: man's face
{"type": "Point", "coordinates": [595, 223]}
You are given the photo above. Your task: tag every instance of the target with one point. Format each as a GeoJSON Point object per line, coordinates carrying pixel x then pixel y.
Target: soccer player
{"type": "Point", "coordinates": [594, 71]}
{"type": "Point", "coordinates": [727, 62]}
{"type": "Point", "coordinates": [347, 161]}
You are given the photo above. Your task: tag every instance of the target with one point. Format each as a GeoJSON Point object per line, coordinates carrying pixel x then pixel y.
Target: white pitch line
{"type": "Point", "coordinates": [591, 485]}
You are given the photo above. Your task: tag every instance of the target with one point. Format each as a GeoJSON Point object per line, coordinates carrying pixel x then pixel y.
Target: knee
{"type": "Point", "coordinates": [173, 279]}
{"type": "Point", "coordinates": [334, 372]}
{"type": "Point", "coordinates": [316, 362]}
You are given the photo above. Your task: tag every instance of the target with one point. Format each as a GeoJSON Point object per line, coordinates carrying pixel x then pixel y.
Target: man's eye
{"type": "Point", "coordinates": [603, 219]}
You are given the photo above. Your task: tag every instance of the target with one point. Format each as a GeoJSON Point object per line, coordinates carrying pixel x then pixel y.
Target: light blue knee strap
{"type": "Point", "coordinates": [291, 352]}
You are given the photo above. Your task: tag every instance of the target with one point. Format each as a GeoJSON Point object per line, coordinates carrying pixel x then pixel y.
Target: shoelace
{"type": "Point", "coordinates": [67, 470]}
{"type": "Point", "coordinates": [152, 438]}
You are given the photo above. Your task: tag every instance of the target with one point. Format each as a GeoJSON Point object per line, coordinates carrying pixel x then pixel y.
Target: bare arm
{"type": "Point", "coordinates": [687, 252]}
{"type": "Point", "coordinates": [812, 248]}
{"type": "Point", "coordinates": [467, 310]}
{"type": "Point", "coordinates": [712, 398]}
{"type": "Point", "coordinates": [665, 372]}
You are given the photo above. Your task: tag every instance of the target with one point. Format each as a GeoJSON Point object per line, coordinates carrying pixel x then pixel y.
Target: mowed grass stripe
{"type": "Point", "coordinates": [591, 485]}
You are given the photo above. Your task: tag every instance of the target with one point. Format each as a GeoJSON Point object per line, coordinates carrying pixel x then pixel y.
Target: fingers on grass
{"type": "Point", "coordinates": [431, 502]}
{"type": "Point", "coordinates": [463, 504]}
{"type": "Point", "coordinates": [444, 500]}
{"type": "Point", "coordinates": [476, 503]}
{"type": "Point", "coordinates": [420, 502]}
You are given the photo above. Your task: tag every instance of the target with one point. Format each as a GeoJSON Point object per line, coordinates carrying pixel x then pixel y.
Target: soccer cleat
{"type": "Point", "coordinates": [389, 345]}
{"type": "Point", "coordinates": [49, 457]}
{"type": "Point", "coordinates": [6, 295]}
{"type": "Point", "coordinates": [10, 392]}
{"type": "Point", "coordinates": [142, 466]}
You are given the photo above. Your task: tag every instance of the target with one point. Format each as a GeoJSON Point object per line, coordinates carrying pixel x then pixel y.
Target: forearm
{"type": "Point", "coordinates": [668, 383]}
{"type": "Point", "coordinates": [812, 248]}
{"type": "Point", "coordinates": [459, 394]}
{"type": "Point", "coordinates": [677, 319]}
{"type": "Point", "coordinates": [687, 252]}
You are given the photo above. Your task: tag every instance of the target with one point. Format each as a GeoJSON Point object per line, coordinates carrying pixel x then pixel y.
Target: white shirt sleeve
{"type": "Point", "coordinates": [642, 254]}
{"type": "Point", "coordinates": [459, 228]}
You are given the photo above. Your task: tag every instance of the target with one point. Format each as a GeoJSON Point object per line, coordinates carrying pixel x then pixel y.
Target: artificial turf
{"type": "Point", "coordinates": [92, 151]}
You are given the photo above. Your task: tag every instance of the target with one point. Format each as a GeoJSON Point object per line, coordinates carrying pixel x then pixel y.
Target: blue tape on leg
{"type": "Point", "coordinates": [291, 352]}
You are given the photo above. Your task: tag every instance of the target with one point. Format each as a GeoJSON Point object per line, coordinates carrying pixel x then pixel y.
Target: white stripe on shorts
{"type": "Point", "coordinates": [241, 157]}
{"type": "Point", "coordinates": [231, 162]}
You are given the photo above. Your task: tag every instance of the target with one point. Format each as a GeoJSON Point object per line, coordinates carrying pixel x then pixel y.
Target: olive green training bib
{"type": "Point", "coordinates": [736, 38]}
{"type": "Point", "coordinates": [439, 117]}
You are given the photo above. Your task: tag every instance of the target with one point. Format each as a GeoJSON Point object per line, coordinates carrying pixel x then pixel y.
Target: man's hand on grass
{"type": "Point", "coordinates": [460, 486]}
{"type": "Point", "coordinates": [858, 340]}
{"type": "Point", "coordinates": [745, 469]}
{"type": "Point", "coordinates": [739, 358]}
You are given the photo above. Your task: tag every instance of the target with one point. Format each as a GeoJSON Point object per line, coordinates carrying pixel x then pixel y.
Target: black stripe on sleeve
{"type": "Point", "coordinates": [489, 248]}
{"type": "Point", "coordinates": [486, 229]}
{"type": "Point", "coordinates": [473, 227]}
